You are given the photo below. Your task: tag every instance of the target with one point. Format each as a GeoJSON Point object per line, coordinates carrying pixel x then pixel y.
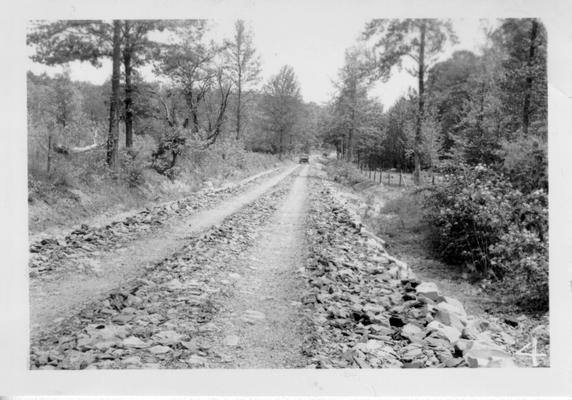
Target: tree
{"type": "Point", "coordinates": [57, 117]}
{"type": "Point", "coordinates": [113, 137]}
{"type": "Point", "coordinates": [244, 67]}
{"type": "Point", "coordinates": [137, 49]}
{"type": "Point", "coordinates": [281, 105]}
{"type": "Point", "coordinates": [329, 130]}
{"type": "Point", "coordinates": [67, 99]}
{"type": "Point", "coordinates": [523, 74]}
{"type": "Point", "coordinates": [532, 75]}
{"type": "Point", "coordinates": [216, 102]}
{"type": "Point", "coordinates": [95, 100]}
{"type": "Point", "coordinates": [308, 127]}
{"type": "Point", "coordinates": [482, 124]}
{"type": "Point", "coordinates": [352, 104]}
{"type": "Point", "coordinates": [61, 42]}
{"type": "Point", "coordinates": [352, 121]}
{"type": "Point", "coordinates": [65, 41]}
{"type": "Point", "coordinates": [397, 142]}
{"type": "Point", "coordinates": [192, 68]}
{"type": "Point", "coordinates": [91, 41]}
{"type": "Point", "coordinates": [419, 39]}
{"type": "Point", "coordinates": [41, 121]}
{"type": "Point", "coordinates": [450, 86]}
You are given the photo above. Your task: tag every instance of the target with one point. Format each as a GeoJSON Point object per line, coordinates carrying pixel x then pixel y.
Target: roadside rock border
{"type": "Point", "coordinates": [369, 310]}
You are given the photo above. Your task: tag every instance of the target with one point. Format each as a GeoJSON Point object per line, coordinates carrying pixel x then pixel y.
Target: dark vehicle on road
{"type": "Point", "coordinates": [304, 158]}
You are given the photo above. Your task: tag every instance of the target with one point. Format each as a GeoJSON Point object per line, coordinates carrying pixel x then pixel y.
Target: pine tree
{"type": "Point", "coordinates": [281, 105]}
{"type": "Point", "coordinates": [244, 68]}
{"type": "Point", "coordinates": [113, 138]}
{"type": "Point", "coordinates": [419, 39]}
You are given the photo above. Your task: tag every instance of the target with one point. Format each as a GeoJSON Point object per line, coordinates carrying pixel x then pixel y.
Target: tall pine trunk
{"type": "Point", "coordinates": [350, 147]}
{"type": "Point", "coordinates": [238, 104]}
{"type": "Point", "coordinates": [421, 105]}
{"type": "Point", "coordinates": [113, 137]}
{"type": "Point", "coordinates": [529, 79]}
{"type": "Point", "coordinates": [127, 66]}
{"type": "Point", "coordinates": [281, 144]}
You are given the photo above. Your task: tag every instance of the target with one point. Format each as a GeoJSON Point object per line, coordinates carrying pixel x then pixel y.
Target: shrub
{"type": "Point", "coordinates": [344, 172]}
{"type": "Point", "coordinates": [521, 254]}
{"type": "Point", "coordinates": [132, 170]}
{"type": "Point", "coordinates": [482, 222]}
{"type": "Point", "coordinates": [172, 145]}
{"type": "Point", "coordinates": [136, 159]}
{"type": "Point", "coordinates": [526, 163]}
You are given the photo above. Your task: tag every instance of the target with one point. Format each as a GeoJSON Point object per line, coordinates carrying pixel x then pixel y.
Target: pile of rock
{"type": "Point", "coordinates": [440, 332]}
{"type": "Point", "coordinates": [369, 310]}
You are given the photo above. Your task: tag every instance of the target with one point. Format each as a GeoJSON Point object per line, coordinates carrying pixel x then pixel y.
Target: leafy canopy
{"type": "Point", "coordinates": [396, 39]}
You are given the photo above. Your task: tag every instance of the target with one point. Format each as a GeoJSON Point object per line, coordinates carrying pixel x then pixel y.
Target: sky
{"type": "Point", "coordinates": [314, 48]}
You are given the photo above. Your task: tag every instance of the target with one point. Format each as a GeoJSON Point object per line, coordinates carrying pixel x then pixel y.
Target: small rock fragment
{"type": "Point", "coordinates": [412, 332]}
{"type": "Point", "coordinates": [231, 340]}
{"type": "Point", "coordinates": [486, 354]}
{"type": "Point", "coordinates": [159, 349]}
{"type": "Point", "coordinates": [135, 342]}
{"type": "Point", "coordinates": [452, 334]}
{"type": "Point", "coordinates": [428, 289]}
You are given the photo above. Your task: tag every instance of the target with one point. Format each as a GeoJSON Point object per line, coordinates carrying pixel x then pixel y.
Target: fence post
{"type": "Point", "coordinates": [400, 177]}
{"type": "Point", "coordinates": [49, 150]}
{"type": "Point", "coordinates": [388, 176]}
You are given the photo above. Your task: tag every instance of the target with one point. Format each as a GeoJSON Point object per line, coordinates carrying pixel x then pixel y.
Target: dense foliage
{"type": "Point", "coordinates": [475, 106]}
{"type": "Point", "coordinates": [483, 222]}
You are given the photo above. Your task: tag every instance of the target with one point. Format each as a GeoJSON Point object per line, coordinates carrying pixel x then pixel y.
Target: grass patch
{"type": "Point", "coordinates": [82, 186]}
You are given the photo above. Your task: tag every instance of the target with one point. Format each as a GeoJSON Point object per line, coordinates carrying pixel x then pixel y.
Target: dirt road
{"type": "Point", "coordinates": [260, 324]}
{"type": "Point", "coordinates": [54, 297]}
{"type": "Point", "coordinates": [278, 274]}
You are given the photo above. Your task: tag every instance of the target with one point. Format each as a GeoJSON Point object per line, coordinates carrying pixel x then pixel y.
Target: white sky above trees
{"type": "Point", "coordinates": [314, 47]}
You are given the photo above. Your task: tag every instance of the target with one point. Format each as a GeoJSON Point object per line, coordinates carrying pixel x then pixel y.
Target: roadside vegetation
{"type": "Point", "coordinates": [481, 220]}
{"type": "Point", "coordinates": [204, 115]}
{"type": "Point", "coordinates": [478, 122]}
{"type": "Point", "coordinates": [486, 233]}
{"type": "Point", "coordinates": [398, 215]}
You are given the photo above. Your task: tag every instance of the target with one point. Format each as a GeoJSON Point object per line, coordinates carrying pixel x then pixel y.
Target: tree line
{"type": "Point", "coordinates": [488, 108]}
{"type": "Point", "coordinates": [203, 90]}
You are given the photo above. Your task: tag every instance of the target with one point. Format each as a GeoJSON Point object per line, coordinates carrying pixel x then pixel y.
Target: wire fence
{"type": "Point", "coordinates": [395, 177]}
